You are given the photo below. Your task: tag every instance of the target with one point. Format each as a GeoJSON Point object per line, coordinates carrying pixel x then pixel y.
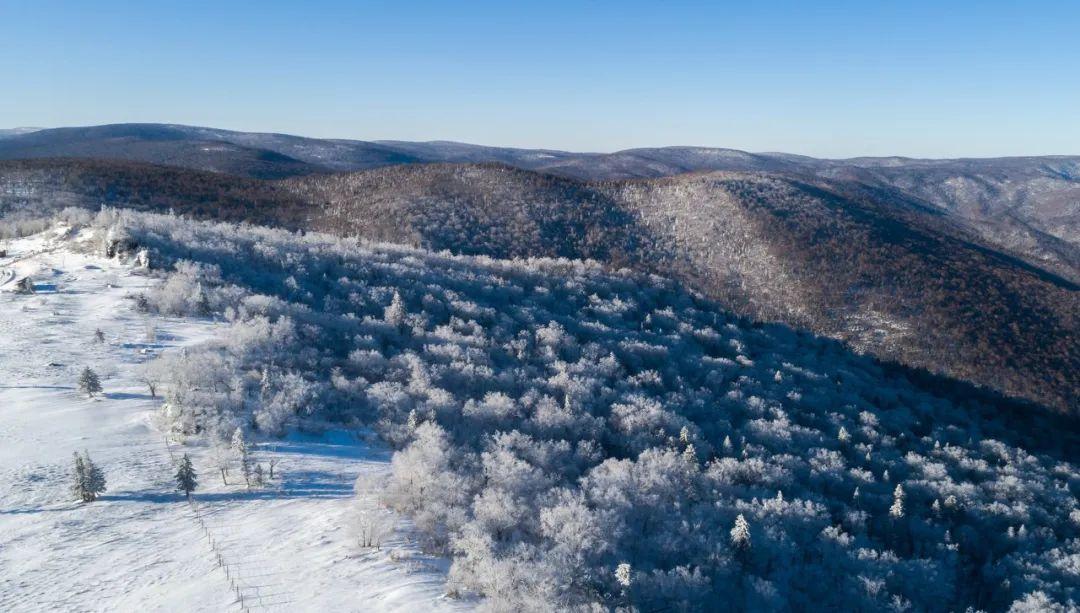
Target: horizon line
{"type": "Point", "coordinates": [33, 129]}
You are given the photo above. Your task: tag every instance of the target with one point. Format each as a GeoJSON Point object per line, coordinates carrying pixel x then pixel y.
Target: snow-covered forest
{"type": "Point", "coordinates": [575, 437]}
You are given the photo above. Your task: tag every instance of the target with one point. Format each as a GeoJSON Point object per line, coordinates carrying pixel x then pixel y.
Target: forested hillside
{"type": "Point", "coordinates": [576, 437]}
{"type": "Point", "coordinates": [889, 275]}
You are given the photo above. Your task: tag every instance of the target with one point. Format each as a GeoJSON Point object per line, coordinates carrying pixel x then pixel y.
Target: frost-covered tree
{"type": "Point", "coordinates": [239, 444]}
{"type": "Point", "coordinates": [78, 485]}
{"type": "Point", "coordinates": [89, 383]}
{"type": "Point", "coordinates": [281, 398]}
{"type": "Point", "coordinates": [369, 524]}
{"type": "Point", "coordinates": [690, 455]}
{"type": "Point", "coordinates": [740, 533]}
{"type": "Point", "coordinates": [186, 479]}
{"type": "Point", "coordinates": [623, 574]}
{"type": "Point", "coordinates": [246, 469]}
{"type": "Point", "coordinates": [395, 313]}
{"type": "Point", "coordinates": [88, 479]}
{"type": "Point", "coordinates": [149, 376]}
{"type": "Point", "coordinates": [542, 412]}
{"type": "Point", "coordinates": [99, 336]}
{"type": "Point", "coordinates": [221, 458]}
{"type": "Point", "coordinates": [897, 509]}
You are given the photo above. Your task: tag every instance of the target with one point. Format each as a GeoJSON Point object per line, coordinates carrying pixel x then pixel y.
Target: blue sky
{"type": "Point", "coordinates": [873, 77]}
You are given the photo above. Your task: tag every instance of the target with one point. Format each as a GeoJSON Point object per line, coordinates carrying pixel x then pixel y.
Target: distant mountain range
{"type": "Point", "coordinates": [964, 267]}
{"type": "Point", "coordinates": [1028, 206]}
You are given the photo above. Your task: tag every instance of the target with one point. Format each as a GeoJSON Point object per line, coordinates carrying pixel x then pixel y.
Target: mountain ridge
{"type": "Point", "coordinates": [1029, 205]}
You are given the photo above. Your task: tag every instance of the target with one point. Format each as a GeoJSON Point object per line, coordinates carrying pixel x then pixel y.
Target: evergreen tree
{"type": "Point", "coordinates": [395, 313]}
{"type": "Point", "coordinates": [728, 447]}
{"type": "Point", "coordinates": [740, 533]}
{"type": "Point", "coordinates": [897, 508]}
{"type": "Point", "coordinates": [245, 468]}
{"type": "Point", "coordinates": [690, 455]}
{"type": "Point", "coordinates": [95, 479]}
{"type": "Point", "coordinates": [88, 480]}
{"type": "Point", "coordinates": [78, 485]}
{"type": "Point", "coordinates": [186, 479]}
{"type": "Point", "coordinates": [89, 383]}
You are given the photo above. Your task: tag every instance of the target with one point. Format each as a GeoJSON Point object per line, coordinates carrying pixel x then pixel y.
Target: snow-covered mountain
{"type": "Point", "coordinates": [1026, 205]}
{"type": "Point", "coordinates": [567, 435]}
{"type": "Point", "coordinates": [890, 275]}
{"type": "Point", "coordinates": [556, 421]}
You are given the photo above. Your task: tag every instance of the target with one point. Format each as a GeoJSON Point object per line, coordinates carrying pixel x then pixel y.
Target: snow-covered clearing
{"type": "Point", "coordinates": [141, 547]}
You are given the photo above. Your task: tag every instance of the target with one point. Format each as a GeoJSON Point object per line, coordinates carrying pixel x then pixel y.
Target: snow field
{"type": "Point", "coordinates": [141, 546]}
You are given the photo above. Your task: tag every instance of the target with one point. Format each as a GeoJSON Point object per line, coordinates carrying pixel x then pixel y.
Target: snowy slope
{"type": "Point", "coordinates": [141, 547]}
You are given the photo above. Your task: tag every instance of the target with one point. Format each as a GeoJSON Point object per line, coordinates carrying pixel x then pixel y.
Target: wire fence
{"type": "Point", "coordinates": [255, 586]}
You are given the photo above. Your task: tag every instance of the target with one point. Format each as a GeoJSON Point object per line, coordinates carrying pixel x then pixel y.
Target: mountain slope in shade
{"type": "Point", "coordinates": [894, 277]}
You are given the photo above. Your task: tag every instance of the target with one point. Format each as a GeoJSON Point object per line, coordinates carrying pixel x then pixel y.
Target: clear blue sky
{"type": "Point", "coordinates": [874, 77]}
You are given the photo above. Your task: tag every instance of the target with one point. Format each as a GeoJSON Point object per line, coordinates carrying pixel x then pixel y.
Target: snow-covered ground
{"type": "Point", "coordinates": [141, 547]}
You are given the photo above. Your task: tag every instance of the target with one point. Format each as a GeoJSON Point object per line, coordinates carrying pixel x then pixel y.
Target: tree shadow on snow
{"type": "Point", "coordinates": [70, 507]}
{"type": "Point", "coordinates": [127, 396]}
{"type": "Point", "coordinates": [305, 484]}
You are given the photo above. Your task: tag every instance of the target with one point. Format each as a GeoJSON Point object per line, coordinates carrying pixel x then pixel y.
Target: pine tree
{"type": "Point", "coordinates": [690, 455]}
{"type": "Point", "coordinates": [95, 479]}
{"type": "Point", "coordinates": [257, 476]}
{"type": "Point", "coordinates": [99, 336]}
{"type": "Point", "coordinates": [89, 383]}
{"type": "Point", "coordinates": [245, 468]}
{"type": "Point", "coordinates": [186, 479]}
{"type": "Point", "coordinates": [740, 533]}
{"type": "Point", "coordinates": [88, 480]}
{"type": "Point", "coordinates": [78, 485]}
{"type": "Point", "coordinates": [395, 313]}
{"type": "Point", "coordinates": [897, 508]}
{"type": "Point", "coordinates": [843, 436]}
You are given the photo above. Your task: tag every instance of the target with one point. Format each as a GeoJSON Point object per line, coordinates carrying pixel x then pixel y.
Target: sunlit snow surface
{"type": "Point", "coordinates": [140, 547]}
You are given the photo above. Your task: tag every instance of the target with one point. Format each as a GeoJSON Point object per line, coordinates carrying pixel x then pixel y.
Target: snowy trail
{"type": "Point", "coordinates": [141, 547]}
